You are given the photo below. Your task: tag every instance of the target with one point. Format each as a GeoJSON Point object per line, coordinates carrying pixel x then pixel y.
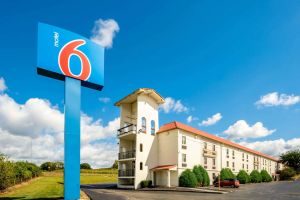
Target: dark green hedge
{"type": "Point", "coordinates": [187, 179]}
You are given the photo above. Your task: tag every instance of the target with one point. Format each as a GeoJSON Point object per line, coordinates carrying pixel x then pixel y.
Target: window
{"type": "Point", "coordinates": [152, 127]}
{"type": "Point", "coordinates": [227, 163]}
{"type": "Point", "coordinates": [141, 166]}
{"type": "Point", "coordinates": [183, 140]}
{"type": "Point", "coordinates": [243, 155]}
{"type": "Point", "coordinates": [214, 176]}
{"type": "Point", "coordinates": [243, 166]}
{"type": "Point", "coordinates": [232, 164]}
{"type": "Point", "coordinates": [205, 160]}
{"type": "Point", "coordinates": [214, 147]}
{"type": "Point", "coordinates": [247, 166]}
{"type": "Point", "coordinates": [205, 145]}
{"type": "Point", "coordinates": [227, 152]}
{"type": "Point", "coordinates": [214, 162]}
{"type": "Point", "coordinates": [141, 147]}
{"type": "Point", "coordinates": [144, 127]}
{"type": "Point", "coordinates": [233, 154]}
{"type": "Point", "coordinates": [184, 158]}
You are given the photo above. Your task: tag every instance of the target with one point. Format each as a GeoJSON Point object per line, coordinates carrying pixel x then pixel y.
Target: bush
{"type": "Point", "coordinates": [201, 175]}
{"type": "Point", "coordinates": [48, 166]}
{"type": "Point", "coordinates": [226, 173]}
{"type": "Point", "coordinates": [287, 173]}
{"type": "Point", "coordinates": [85, 166]}
{"type": "Point", "coordinates": [187, 179]}
{"type": "Point", "coordinates": [265, 176]}
{"type": "Point", "coordinates": [243, 177]}
{"type": "Point", "coordinates": [206, 180]}
{"type": "Point", "coordinates": [255, 177]}
{"type": "Point", "coordinates": [146, 183]}
{"type": "Point", "coordinates": [7, 175]}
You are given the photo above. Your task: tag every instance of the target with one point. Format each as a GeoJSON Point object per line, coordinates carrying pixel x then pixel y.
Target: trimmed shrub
{"type": "Point", "coordinates": [265, 176]}
{"type": "Point", "coordinates": [187, 179]}
{"type": "Point", "coordinates": [146, 183]}
{"type": "Point", "coordinates": [226, 173]}
{"type": "Point", "coordinates": [199, 174]}
{"type": "Point", "coordinates": [255, 177]}
{"type": "Point", "coordinates": [206, 180]}
{"type": "Point", "coordinates": [287, 173]}
{"type": "Point", "coordinates": [243, 177]}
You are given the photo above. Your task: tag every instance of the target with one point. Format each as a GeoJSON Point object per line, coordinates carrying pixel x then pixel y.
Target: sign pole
{"type": "Point", "coordinates": [72, 139]}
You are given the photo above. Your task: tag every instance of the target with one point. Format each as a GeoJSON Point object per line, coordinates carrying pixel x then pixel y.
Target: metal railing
{"type": "Point", "coordinates": [126, 155]}
{"type": "Point", "coordinates": [127, 129]}
{"type": "Point", "coordinates": [126, 172]}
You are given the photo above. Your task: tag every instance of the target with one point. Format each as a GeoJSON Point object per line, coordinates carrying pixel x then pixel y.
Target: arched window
{"type": "Point", "coordinates": [152, 127]}
{"type": "Point", "coordinates": [144, 127]}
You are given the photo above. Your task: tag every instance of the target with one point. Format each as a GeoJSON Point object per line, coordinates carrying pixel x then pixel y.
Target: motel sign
{"type": "Point", "coordinates": [78, 61]}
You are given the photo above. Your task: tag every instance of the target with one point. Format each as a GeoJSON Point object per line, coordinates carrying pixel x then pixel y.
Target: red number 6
{"type": "Point", "coordinates": [64, 56]}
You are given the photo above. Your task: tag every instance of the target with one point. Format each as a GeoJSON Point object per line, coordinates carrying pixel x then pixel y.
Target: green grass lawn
{"type": "Point", "coordinates": [50, 185]}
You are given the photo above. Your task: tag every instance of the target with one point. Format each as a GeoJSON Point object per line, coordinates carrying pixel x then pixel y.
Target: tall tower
{"type": "Point", "coordinates": [137, 141]}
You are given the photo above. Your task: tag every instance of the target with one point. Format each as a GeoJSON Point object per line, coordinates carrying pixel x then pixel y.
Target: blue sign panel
{"type": "Point", "coordinates": [63, 53]}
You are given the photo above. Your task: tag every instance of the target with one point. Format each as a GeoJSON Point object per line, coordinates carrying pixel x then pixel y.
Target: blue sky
{"type": "Point", "coordinates": [212, 56]}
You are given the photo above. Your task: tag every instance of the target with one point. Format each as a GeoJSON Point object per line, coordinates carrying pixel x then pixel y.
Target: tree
{"type": "Point", "coordinates": [291, 159]}
{"type": "Point", "coordinates": [115, 165]}
{"type": "Point", "coordinates": [265, 176]}
{"type": "Point", "coordinates": [243, 177]}
{"type": "Point", "coordinates": [199, 174]}
{"type": "Point", "coordinates": [48, 166]}
{"type": "Point", "coordinates": [287, 173]}
{"type": "Point", "coordinates": [255, 177]}
{"type": "Point", "coordinates": [187, 179]}
{"type": "Point", "coordinates": [85, 166]}
{"type": "Point", "coordinates": [226, 173]}
{"type": "Point", "coordinates": [7, 175]}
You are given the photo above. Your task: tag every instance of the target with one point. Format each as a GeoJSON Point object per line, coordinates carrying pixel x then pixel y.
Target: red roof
{"type": "Point", "coordinates": [163, 167]}
{"type": "Point", "coordinates": [178, 125]}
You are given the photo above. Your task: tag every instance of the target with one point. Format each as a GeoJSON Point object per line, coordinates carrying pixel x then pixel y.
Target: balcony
{"type": "Point", "coordinates": [127, 130]}
{"type": "Point", "coordinates": [126, 155]}
{"type": "Point", "coordinates": [126, 173]}
{"type": "Point", "coordinates": [209, 153]}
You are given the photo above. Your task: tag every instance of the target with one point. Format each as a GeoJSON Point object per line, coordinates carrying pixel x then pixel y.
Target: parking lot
{"type": "Point", "coordinates": [275, 190]}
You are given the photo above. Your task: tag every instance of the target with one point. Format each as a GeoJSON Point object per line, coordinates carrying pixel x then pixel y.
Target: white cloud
{"type": "Point", "coordinates": [211, 120]}
{"type": "Point", "coordinates": [276, 99]}
{"type": "Point", "coordinates": [173, 105]}
{"type": "Point", "coordinates": [104, 99]}
{"type": "Point", "coordinates": [2, 85]}
{"type": "Point", "coordinates": [104, 31]}
{"type": "Point", "coordinates": [242, 130]}
{"type": "Point", "coordinates": [190, 119]}
{"type": "Point", "coordinates": [36, 128]}
{"type": "Point", "coordinates": [274, 147]}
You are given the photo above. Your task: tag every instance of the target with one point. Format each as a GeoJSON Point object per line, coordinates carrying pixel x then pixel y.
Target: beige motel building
{"type": "Point", "coordinates": [161, 154]}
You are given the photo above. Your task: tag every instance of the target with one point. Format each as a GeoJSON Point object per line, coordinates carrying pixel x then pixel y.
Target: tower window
{"type": "Point", "coordinates": [141, 166]}
{"type": "Point", "coordinates": [144, 127]}
{"type": "Point", "coordinates": [152, 127]}
{"type": "Point", "coordinates": [141, 147]}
